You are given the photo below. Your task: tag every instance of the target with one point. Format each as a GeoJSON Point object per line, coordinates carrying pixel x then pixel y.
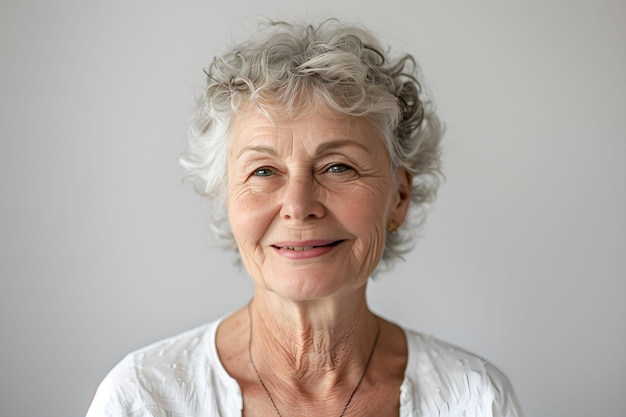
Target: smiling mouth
{"type": "Point", "coordinates": [301, 248]}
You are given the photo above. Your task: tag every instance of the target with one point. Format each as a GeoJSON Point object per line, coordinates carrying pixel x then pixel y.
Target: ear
{"type": "Point", "coordinates": [400, 209]}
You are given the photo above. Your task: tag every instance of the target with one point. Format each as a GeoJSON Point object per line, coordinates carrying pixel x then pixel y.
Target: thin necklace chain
{"type": "Point", "coordinates": [345, 407]}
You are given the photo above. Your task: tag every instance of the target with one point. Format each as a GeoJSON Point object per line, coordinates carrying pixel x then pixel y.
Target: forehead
{"type": "Point", "coordinates": [251, 125]}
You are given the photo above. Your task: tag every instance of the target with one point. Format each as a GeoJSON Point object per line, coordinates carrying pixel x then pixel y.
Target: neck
{"type": "Point", "coordinates": [312, 344]}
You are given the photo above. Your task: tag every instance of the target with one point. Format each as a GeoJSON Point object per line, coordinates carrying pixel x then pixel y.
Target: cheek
{"type": "Point", "coordinates": [364, 204]}
{"type": "Point", "coordinates": [364, 213]}
{"type": "Point", "coordinates": [249, 214]}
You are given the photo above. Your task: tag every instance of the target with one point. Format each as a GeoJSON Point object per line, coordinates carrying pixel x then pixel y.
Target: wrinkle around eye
{"type": "Point", "coordinates": [269, 182]}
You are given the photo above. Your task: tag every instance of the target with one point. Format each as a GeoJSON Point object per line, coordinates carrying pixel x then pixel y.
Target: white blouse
{"type": "Point", "coordinates": [183, 376]}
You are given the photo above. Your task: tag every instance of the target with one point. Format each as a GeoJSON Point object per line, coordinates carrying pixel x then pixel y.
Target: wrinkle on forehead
{"type": "Point", "coordinates": [251, 126]}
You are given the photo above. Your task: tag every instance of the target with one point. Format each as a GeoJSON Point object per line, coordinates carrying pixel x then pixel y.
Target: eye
{"type": "Point", "coordinates": [339, 168]}
{"type": "Point", "coordinates": [264, 172]}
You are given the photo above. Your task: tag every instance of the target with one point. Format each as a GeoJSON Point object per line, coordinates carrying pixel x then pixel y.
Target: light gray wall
{"type": "Point", "coordinates": [103, 249]}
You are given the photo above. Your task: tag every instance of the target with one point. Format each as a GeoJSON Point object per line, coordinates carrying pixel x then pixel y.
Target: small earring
{"type": "Point", "coordinates": [392, 227]}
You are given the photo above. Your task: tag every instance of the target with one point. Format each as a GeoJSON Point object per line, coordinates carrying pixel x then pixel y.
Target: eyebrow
{"type": "Point", "coordinates": [258, 148]}
{"type": "Point", "coordinates": [332, 145]}
{"type": "Point", "coordinates": [321, 149]}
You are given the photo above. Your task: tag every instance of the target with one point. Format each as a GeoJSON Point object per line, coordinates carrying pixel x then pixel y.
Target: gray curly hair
{"type": "Point", "coordinates": [290, 69]}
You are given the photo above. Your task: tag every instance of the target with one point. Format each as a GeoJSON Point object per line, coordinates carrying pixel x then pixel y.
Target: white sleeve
{"type": "Point", "coordinates": [119, 393]}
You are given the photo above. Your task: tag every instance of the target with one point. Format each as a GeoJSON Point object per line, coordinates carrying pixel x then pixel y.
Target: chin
{"type": "Point", "coordinates": [311, 285]}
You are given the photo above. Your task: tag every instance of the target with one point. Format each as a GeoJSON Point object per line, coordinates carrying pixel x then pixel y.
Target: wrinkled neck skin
{"type": "Point", "coordinates": [313, 344]}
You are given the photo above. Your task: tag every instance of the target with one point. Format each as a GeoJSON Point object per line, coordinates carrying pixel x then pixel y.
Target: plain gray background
{"type": "Point", "coordinates": [104, 249]}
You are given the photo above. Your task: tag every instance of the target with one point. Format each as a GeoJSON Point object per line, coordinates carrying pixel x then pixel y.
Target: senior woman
{"type": "Point", "coordinates": [320, 152]}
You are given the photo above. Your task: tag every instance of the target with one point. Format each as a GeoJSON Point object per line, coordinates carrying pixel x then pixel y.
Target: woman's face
{"type": "Point", "coordinates": [309, 201]}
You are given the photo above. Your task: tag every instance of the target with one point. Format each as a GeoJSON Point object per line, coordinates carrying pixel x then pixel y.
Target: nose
{"type": "Point", "coordinates": [300, 198]}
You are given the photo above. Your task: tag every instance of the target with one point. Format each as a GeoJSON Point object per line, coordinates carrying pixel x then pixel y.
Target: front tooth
{"type": "Point", "coordinates": [299, 247]}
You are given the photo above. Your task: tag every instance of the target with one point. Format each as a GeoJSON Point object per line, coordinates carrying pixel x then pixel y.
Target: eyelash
{"type": "Point", "coordinates": [343, 168]}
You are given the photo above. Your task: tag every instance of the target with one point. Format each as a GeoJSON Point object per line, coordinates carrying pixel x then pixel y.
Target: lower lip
{"type": "Point", "coordinates": [307, 253]}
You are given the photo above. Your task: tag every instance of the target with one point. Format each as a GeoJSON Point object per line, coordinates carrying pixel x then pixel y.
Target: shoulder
{"type": "Point", "coordinates": [161, 376]}
{"type": "Point", "coordinates": [451, 380]}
